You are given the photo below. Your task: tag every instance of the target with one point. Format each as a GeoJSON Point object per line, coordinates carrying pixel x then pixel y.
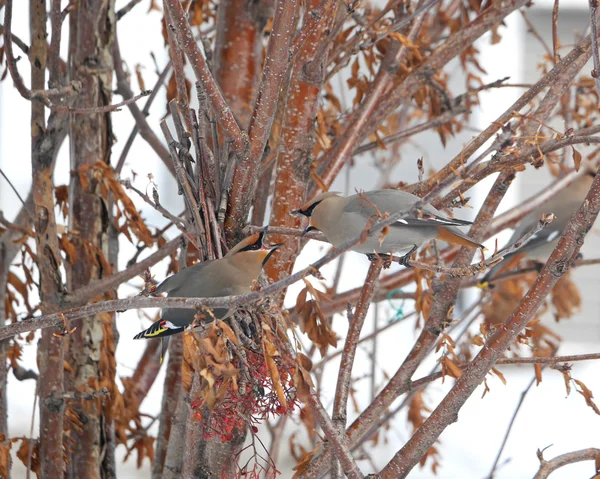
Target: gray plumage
{"type": "Point", "coordinates": [225, 277]}
{"type": "Point", "coordinates": [232, 275]}
{"type": "Point", "coordinates": [562, 205]}
{"type": "Point", "coordinates": [342, 218]}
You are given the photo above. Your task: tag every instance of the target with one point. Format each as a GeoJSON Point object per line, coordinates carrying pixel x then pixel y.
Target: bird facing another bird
{"type": "Point", "coordinates": [342, 218]}
{"type": "Point", "coordinates": [233, 274]}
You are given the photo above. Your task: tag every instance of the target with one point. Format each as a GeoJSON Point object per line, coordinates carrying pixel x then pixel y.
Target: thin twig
{"type": "Point", "coordinates": [95, 288]}
{"type": "Point", "coordinates": [595, 57]}
{"type": "Point", "coordinates": [127, 8]}
{"type": "Point", "coordinates": [99, 109]}
{"type": "Point", "coordinates": [16, 192]}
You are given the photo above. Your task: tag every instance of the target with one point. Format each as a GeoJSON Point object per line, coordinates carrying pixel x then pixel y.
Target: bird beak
{"type": "Point", "coordinates": [296, 212]}
{"type": "Point", "coordinates": [307, 230]}
{"type": "Point", "coordinates": [272, 248]}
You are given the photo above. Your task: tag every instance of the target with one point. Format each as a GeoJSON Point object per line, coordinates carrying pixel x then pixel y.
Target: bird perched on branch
{"type": "Point", "coordinates": [540, 245]}
{"type": "Point", "coordinates": [231, 275]}
{"type": "Point", "coordinates": [342, 218]}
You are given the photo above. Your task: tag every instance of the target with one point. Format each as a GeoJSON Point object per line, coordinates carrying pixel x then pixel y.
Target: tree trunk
{"type": "Point", "coordinates": [91, 346]}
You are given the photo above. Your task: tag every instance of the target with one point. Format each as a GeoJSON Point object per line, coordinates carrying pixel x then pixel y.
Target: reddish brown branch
{"type": "Point", "coordinates": [343, 454]}
{"type": "Point", "coordinates": [186, 40]}
{"type": "Point", "coordinates": [551, 359]}
{"type": "Point", "coordinates": [356, 320]}
{"type": "Point", "coordinates": [276, 65]}
{"type": "Point", "coordinates": [595, 56]}
{"type": "Point", "coordinates": [297, 140]}
{"type": "Point", "coordinates": [51, 350]}
{"type": "Point", "coordinates": [238, 52]}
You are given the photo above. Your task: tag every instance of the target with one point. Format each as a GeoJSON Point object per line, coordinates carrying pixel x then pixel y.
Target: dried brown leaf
{"type": "Point", "coordinates": [576, 159]}
{"type": "Point", "coordinates": [23, 454]}
{"type": "Point", "coordinates": [304, 462]}
{"type": "Point", "coordinates": [5, 459]}
{"type": "Point", "coordinates": [587, 394]}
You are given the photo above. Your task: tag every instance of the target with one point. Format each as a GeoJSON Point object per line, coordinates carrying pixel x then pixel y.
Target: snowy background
{"type": "Point", "coordinates": [468, 448]}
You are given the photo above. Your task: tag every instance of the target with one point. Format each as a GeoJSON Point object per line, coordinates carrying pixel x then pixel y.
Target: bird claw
{"type": "Point", "coordinates": [406, 258]}
{"type": "Point", "coordinates": [385, 258]}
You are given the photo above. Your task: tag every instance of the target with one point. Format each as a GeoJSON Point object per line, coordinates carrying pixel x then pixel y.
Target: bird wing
{"type": "Point", "coordinates": [392, 201]}
{"type": "Point", "coordinates": [548, 234]}
{"type": "Point", "coordinates": [545, 236]}
{"type": "Point", "coordinates": [179, 280]}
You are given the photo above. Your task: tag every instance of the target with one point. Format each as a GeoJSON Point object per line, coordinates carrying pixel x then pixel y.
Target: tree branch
{"type": "Point", "coordinates": [186, 40]}
{"type": "Point", "coordinates": [446, 413]}
{"type": "Point", "coordinates": [356, 321]}
{"type": "Point", "coordinates": [276, 65]}
{"type": "Point", "coordinates": [548, 467]}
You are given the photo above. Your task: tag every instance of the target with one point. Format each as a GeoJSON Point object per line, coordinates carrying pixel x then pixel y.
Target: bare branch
{"type": "Point", "coordinates": [356, 321]}
{"type": "Point", "coordinates": [548, 467]}
{"type": "Point", "coordinates": [186, 40]}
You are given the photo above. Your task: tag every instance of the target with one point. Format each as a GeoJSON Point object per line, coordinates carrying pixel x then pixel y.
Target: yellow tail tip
{"type": "Point", "coordinates": [483, 284]}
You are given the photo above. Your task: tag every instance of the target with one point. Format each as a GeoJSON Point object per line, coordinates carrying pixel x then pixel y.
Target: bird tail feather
{"type": "Point", "coordinates": [456, 237]}
{"type": "Point", "coordinates": [159, 329]}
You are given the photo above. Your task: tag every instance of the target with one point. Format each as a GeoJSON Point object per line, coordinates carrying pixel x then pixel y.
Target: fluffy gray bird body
{"type": "Point", "coordinates": [225, 277]}
{"type": "Point", "coordinates": [342, 218]}
{"type": "Point", "coordinates": [562, 205]}
{"type": "Point", "coordinates": [233, 274]}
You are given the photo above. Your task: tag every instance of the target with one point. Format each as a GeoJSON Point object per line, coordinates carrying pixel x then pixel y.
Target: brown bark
{"type": "Point", "coordinates": [294, 154]}
{"type": "Point", "coordinates": [238, 54]}
{"type": "Point", "coordinates": [274, 71]}
{"type": "Point", "coordinates": [174, 457]}
{"type": "Point", "coordinates": [92, 31]}
{"type": "Point", "coordinates": [4, 265]}
{"type": "Point", "coordinates": [171, 393]}
{"type": "Point", "coordinates": [50, 353]}
{"type": "Point", "coordinates": [342, 391]}
{"type": "Point", "coordinates": [548, 467]}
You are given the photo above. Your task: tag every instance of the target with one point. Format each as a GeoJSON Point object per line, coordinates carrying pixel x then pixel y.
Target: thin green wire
{"type": "Point", "coordinates": [399, 316]}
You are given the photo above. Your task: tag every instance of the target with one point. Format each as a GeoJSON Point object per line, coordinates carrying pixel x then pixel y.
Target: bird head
{"type": "Point", "coordinates": [308, 208]}
{"type": "Point", "coordinates": [254, 245]}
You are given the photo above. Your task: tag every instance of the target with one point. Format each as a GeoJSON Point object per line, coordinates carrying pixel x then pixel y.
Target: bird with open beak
{"type": "Point", "coordinates": [233, 274]}
{"type": "Point", "coordinates": [342, 218]}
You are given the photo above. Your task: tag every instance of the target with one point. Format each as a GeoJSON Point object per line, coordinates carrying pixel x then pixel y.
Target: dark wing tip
{"type": "Point", "coordinates": [158, 330]}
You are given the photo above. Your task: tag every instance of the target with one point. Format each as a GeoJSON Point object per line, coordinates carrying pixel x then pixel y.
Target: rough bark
{"type": "Point", "coordinates": [3, 348]}
{"type": "Point", "coordinates": [171, 392]}
{"type": "Point", "coordinates": [50, 352]}
{"type": "Point", "coordinates": [294, 154]}
{"type": "Point", "coordinates": [277, 62]}
{"type": "Point", "coordinates": [238, 54]}
{"type": "Point", "coordinates": [91, 58]}
{"type": "Point", "coordinates": [174, 457]}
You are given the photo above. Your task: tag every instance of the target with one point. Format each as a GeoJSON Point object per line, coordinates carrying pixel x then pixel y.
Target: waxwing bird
{"type": "Point", "coordinates": [540, 246]}
{"type": "Point", "coordinates": [342, 218]}
{"type": "Point", "coordinates": [231, 275]}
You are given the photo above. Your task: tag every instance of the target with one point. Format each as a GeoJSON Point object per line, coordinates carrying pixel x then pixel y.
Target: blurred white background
{"type": "Point", "coordinates": [467, 448]}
